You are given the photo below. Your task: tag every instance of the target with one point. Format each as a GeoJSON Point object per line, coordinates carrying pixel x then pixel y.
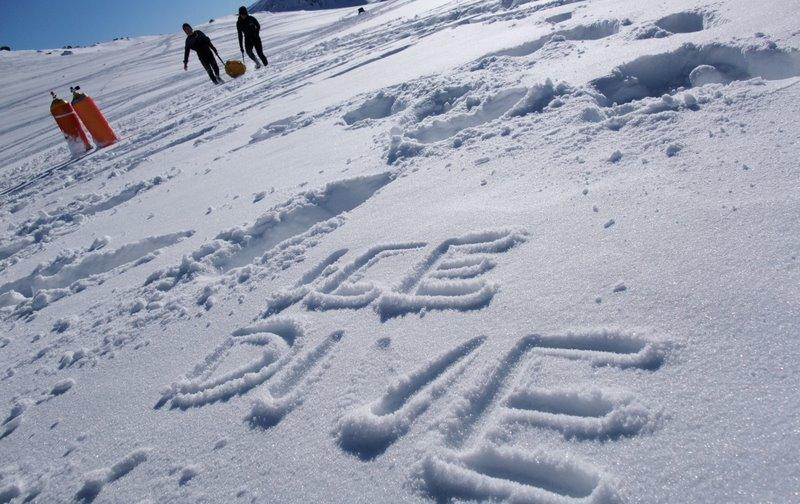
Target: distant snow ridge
{"type": "Point", "coordinates": [296, 5]}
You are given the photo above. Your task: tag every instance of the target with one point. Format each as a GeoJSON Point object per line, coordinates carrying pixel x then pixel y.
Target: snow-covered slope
{"type": "Point", "coordinates": [532, 251]}
{"type": "Point", "coordinates": [296, 5]}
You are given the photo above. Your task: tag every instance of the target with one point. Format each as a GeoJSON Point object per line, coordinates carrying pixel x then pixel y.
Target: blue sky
{"type": "Point", "coordinates": [44, 24]}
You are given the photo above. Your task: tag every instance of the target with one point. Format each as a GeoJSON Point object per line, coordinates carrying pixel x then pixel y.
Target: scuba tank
{"type": "Point", "coordinates": [91, 116]}
{"type": "Point", "coordinates": [70, 125]}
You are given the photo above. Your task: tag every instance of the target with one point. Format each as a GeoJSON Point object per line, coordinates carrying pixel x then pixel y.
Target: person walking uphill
{"type": "Point", "coordinates": [248, 27]}
{"type": "Point", "coordinates": [199, 42]}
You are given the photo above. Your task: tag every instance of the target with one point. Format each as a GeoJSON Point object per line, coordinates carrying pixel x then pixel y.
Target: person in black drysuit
{"type": "Point", "coordinates": [199, 42]}
{"type": "Point", "coordinates": [248, 27]}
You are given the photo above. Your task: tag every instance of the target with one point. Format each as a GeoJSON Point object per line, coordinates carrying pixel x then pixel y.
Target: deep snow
{"type": "Point", "coordinates": [529, 251]}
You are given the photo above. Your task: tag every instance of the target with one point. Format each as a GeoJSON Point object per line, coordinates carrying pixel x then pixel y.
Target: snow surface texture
{"type": "Point", "coordinates": [296, 5]}
{"type": "Point", "coordinates": [510, 250]}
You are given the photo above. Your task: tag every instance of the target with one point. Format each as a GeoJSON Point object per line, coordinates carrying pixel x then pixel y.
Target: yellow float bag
{"type": "Point", "coordinates": [235, 68]}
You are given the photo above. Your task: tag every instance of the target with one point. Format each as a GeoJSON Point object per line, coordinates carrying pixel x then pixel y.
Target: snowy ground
{"type": "Point", "coordinates": [534, 251]}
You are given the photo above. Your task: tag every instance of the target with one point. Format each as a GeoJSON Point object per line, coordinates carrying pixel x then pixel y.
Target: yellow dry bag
{"type": "Point", "coordinates": [235, 68]}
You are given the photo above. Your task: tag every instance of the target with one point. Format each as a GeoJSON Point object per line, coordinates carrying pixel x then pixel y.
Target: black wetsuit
{"type": "Point", "coordinates": [249, 28]}
{"type": "Point", "coordinates": [201, 44]}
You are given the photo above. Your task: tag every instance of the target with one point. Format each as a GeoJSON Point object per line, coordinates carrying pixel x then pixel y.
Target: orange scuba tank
{"type": "Point", "coordinates": [70, 126]}
{"type": "Point", "coordinates": [94, 120]}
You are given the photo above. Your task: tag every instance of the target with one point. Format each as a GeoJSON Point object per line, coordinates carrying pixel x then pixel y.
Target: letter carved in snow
{"type": "Point", "coordinates": [450, 276]}
{"type": "Point", "coordinates": [280, 363]}
{"type": "Point", "coordinates": [474, 459]}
